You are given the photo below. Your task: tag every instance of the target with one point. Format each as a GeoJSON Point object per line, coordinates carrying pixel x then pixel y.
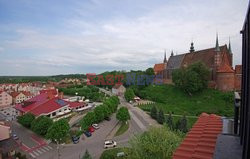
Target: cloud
{"type": "Point", "coordinates": [119, 41]}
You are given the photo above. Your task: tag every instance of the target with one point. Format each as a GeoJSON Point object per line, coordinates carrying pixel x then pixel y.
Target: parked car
{"type": "Point", "coordinates": [107, 118]}
{"type": "Point", "coordinates": [91, 129]}
{"type": "Point", "coordinates": [87, 133]}
{"type": "Point", "coordinates": [75, 139]}
{"type": "Point", "coordinates": [95, 126]}
{"type": "Point", "coordinates": [15, 137]}
{"type": "Point", "coordinates": [109, 143]}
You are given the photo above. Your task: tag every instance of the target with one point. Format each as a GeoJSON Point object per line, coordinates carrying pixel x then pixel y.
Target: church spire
{"type": "Point", "coordinates": [192, 47]}
{"type": "Point", "coordinates": [172, 53]}
{"type": "Point", "coordinates": [229, 47]}
{"type": "Point", "coordinates": [217, 48]}
{"type": "Point", "coordinates": [165, 58]}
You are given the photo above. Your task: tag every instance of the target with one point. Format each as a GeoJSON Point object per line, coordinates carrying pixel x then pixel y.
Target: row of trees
{"type": "Point", "coordinates": [45, 126]}
{"type": "Point", "coordinates": [181, 124]}
{"type": "Point", "coordinates": [108, 107]}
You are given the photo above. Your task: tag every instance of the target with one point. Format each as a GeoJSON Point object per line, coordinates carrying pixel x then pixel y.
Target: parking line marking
{"type": "Point", "coordinates": [46, 148]}
{"type": "Point", "coordinates": [39, 151]}
{"type": "Point", "coordinates": [37, 154]}
{"type": "Point", "coordinates": [49, 147]}
{"type": "Point", "coordinates": [32, 155]}
{"type": "Point", "coordinates": [42, 149]}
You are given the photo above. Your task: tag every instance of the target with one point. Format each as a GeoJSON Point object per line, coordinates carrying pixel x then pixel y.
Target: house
{"type": "Point", "coordinates": [118, 89]}
{"type": "Point", "coordinates": [218, 60]}
{"type": "Point", "coordinates": [5, 99]}
{"type": "Point", "coordinates": [48, 104]}
{"type": "Point", "coordinates": [19, 97]}
{"type": "Point", "coordinates": [159, 69]}
{"type": "Point", "coordinates": [5, 131]}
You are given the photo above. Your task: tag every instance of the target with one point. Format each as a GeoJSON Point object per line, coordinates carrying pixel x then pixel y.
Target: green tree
{"type": "Point", "coordinates": [160, 117]}
{"type": "Point", "coordinates": [41, 125]}
{"type": "Point", "coordinates": [99, 113]}
{"type": "Point", "coordinates": [129, 94]}
{"type": "Point", "coordinates": [155, 143]}
{"type": "Point", "coordinates": [169, 121]}
{"type": "Point", "coordinates": [123, 114]}
{"type": "Point", "coordinates": [26, 119]}
{"type": "Point", "coordinates": [192, 79]}
{"type": "Point", "coordinates": [182, 124]}
{"type": "Point", "coordinates": [150, 71]}
{"type": "Point", "coordinates": [153, 112]}
{"type": "Point", "coordinates": [58, 130]}
{"type": "Point", "coordinates": [106, 110]}
{"type": "Point", "coordinates": [86, 155]}
{"type": "Point", "coordinates": [87, 120]}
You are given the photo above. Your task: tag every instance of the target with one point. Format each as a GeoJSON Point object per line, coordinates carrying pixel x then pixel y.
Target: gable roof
{"type": "Point", "coordinates": [117, 86]}
{"type": "Point", "coordinates": [174, 62]}
{"type": "Point", "coordinates": [200, 141]}
{"type": "Point", "coordinates": [14, 94]}
{"type": "Point", "coordinates": [159, 67]}
{"type": "Point", "coordinates": [224, 68]}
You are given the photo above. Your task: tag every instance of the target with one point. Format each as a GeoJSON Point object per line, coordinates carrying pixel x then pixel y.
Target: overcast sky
{"type": "Point", "coordinates": [45, 37]}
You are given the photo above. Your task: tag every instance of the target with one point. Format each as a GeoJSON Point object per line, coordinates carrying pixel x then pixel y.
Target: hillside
{"type": "Point", "coordinates": [171, 99]}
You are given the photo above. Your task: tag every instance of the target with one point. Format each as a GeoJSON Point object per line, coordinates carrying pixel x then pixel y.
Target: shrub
{"type": "Point", "coordinates": [160, 117]}
{"type": "Point", "coordinates": [153, 112]}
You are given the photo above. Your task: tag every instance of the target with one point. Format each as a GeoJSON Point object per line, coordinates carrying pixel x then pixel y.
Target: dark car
{"type": "Point", "coordinates": [75, 139]}
{"type": "Point", "coordinates": [107, 118]}
{"type": "Point", "coordinates": [87, 133]}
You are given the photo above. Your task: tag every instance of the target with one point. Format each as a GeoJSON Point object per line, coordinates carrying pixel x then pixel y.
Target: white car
{"type": "Point", "coordinates": [95, 126]}
{"type": "Point", "coordinates": [108, 144]}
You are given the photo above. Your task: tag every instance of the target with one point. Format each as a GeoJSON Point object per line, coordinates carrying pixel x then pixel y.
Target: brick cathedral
{"type": "Point", "coordinates": [219, 60]}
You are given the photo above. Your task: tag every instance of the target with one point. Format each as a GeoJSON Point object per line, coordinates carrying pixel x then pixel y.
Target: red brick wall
{"type": "Point", "coordinates": [225, 81]}
{"type": "Point", "coordinates": [237, 82]}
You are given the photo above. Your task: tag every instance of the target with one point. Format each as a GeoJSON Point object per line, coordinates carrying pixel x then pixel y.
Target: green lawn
{"type": "Point", "coordinates": [171, 99]}
{"type": "Point", "coordinates": [123, 128]}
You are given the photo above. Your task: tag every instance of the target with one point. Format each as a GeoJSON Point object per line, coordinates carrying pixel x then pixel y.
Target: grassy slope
{"type": "Point", "coordinates": [123, 128]}
{"type": "Point", "coordinates": [171, 99]}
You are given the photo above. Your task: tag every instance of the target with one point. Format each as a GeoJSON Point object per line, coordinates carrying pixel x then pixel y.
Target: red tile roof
{"type": "Point", "coordinates": [75, 104]}
{"type": "Point", "coordinates": [44, 103]}
{"type": "Point", "coordinates": [52, 91]}
{"type": "Point", "coordinates": [159, 67]}
{"type": "Point", "coordinates": [224, 68]}
{"type": "Point", "coordinates": [201, 139]}
{"type": "Point", "coordinates": [14, 94]}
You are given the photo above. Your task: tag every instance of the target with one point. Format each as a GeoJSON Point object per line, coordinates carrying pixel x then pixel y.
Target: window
{"type": "Point", "coordinates": [53, 114]}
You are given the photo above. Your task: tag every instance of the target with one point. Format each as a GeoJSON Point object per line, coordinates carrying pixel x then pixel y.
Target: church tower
{"type": "Point", "coordinates": [217, 57]}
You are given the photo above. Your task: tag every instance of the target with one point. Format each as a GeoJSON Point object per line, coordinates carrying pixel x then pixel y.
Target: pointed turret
{"type": "Point", "coordinates": [217, 48]}
{"type": "Point", "coordinates": [192, 47]}
{"type": "Point", "coordinates": [172, 53]}
{"type": "Point", "coordinates": [165, 58]}
{"type": "Point", "coordinates": [229, 47]}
